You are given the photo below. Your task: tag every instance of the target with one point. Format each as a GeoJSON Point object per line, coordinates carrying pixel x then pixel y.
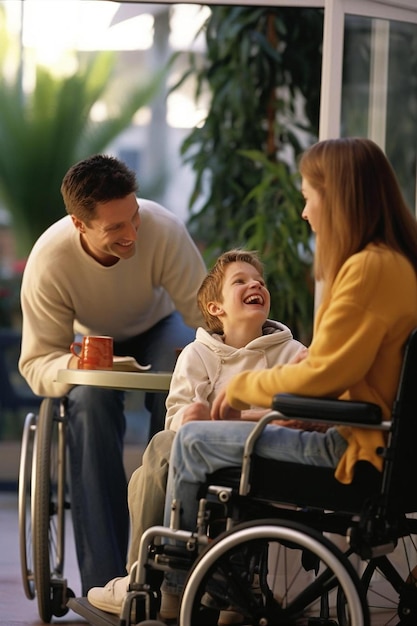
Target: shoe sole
{"type": "Point", "coordinates": [224, 618]}
{"type": "Point", "coordinates": [108, 608]}
{"type": "Point", "coordinates": [170, 617]}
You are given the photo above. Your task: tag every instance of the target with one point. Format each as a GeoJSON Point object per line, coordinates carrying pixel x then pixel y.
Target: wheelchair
{"type": "Point", "coordinates": [265, 540]}
{"type": "Point", "coordinates": [42, 505]}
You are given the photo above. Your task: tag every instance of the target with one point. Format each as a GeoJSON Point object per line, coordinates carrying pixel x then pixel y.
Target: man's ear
{"type": "Point", "coordinates": [215, 309]}
{"type": "Point", "coordinates": [79, 225]}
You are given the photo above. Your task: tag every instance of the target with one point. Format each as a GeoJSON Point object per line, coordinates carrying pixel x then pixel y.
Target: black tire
{"type": "Point", "coordinates": [48, 510]}
{"type": "Point", "coordinates": [223, 577]}
{"type": "Point", "coordinates": [390, 584]}
{"type": "Point", "coordinates": [25, 519]}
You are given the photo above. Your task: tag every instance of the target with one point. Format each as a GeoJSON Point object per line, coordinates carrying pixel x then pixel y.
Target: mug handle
{"type": "Point", "coordinates": [73, 346]}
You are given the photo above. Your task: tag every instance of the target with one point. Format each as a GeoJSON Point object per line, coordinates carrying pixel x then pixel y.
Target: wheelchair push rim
{"type": "Point", "coordinates": [25, 521]}
{"type": "Point", "coordinates": [335, 570]}
{"type": "Point", "coordinates": [42, 507]}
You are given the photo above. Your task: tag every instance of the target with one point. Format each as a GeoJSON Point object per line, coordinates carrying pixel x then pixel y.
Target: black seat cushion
{"type": "Point", "coordinates": [312, 486]}
{"type": "Point", "coordinates": [304, 485]}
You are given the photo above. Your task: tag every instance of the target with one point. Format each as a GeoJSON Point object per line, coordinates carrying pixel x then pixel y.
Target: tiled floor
{"type": "Point", "coordinates": [15, 608]}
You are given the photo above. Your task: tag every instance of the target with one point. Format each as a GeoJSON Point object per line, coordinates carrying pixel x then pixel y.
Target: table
{"type": "Point", "coordinates": [144, 381]}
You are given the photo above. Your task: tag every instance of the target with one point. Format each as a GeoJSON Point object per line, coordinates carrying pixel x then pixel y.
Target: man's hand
{"type": "Point", "coordinates": [221, 409]}
{"type": "Point", "coordinates": [73, 363]}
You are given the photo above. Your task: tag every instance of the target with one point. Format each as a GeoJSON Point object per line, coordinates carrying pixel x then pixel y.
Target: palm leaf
{"type": "Point", "coordinates": [44, 132]}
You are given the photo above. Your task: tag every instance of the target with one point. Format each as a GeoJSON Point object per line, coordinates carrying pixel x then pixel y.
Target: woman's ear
{"type": "Point", "coordinates": [215, 309]}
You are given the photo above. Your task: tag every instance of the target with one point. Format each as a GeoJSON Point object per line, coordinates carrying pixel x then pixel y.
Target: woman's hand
{"type": "Point", "coordinates": [221, 409]}
{"type": "Point", "coordinates": [302, 425]}
{"type": "Point", "coordinates": [253, 415]}
{"type": "Point", "coordinates": [300, 356]}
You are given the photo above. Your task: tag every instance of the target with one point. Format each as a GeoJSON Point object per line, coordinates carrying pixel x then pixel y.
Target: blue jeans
{"type": "Point", "coordinates": [96, 427]}
{"type": "Point", "coordinates": [201, 448]}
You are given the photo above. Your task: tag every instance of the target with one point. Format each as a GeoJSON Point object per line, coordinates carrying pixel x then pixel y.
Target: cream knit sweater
{"type": "Point", "coordinates": [65, 291]}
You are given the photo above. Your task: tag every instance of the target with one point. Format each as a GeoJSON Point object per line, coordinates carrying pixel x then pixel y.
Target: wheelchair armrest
{"type": "Point", "coordinates": [290, 406]}
{"type": "Point", "coordinates": [327, 409]}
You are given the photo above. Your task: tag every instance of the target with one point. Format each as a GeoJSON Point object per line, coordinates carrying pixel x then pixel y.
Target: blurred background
{"type": "Point", "coordinates": [210, 106]}
{"type": "Point", "coordinates": [80, 77]}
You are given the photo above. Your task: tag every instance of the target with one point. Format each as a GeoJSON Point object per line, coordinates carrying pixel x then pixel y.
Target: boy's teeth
{"type": "Point", "coordinates": [252, 299]}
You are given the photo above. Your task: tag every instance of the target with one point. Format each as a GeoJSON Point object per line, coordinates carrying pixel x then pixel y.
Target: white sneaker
{"type": "Point", "coordinates": [109, 598]}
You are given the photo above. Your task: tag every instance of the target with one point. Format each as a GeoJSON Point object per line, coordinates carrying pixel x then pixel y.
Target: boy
{"type": "Point", "coordinates": [235, 304]}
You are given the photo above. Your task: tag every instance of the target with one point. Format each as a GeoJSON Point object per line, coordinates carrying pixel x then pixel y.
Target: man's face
{"type": "Point", "coordinates": [112, 234]}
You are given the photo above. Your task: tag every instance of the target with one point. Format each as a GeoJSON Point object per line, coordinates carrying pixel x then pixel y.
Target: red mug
{"type": "Point", "coordinates": [94, 353]}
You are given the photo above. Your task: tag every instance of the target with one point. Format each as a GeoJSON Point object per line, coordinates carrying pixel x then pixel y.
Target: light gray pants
{"type": "Point", "coordinates": [146, 490]}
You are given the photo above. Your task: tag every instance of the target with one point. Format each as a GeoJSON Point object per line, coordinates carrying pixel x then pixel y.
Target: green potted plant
{"type": "Point", "coordinates": [262, 74]}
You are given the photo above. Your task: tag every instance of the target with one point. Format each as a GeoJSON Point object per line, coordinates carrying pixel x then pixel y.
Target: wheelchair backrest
{"type": "Point", "coordinates": [316, 487]}
{"type": "Point", "coordinates": [398, 486]}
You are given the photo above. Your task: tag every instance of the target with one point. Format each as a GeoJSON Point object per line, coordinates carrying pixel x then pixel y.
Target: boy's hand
{"type": "Point", "coordinates": [196, 412]}
{"type": "Point", "coordinates": [221, 409]}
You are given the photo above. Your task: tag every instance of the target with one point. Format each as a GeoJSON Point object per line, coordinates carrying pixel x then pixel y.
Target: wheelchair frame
{"type": "Point", "coordinates": [373, 513]}
{"type": "Point", "coordinates": [42, 506]}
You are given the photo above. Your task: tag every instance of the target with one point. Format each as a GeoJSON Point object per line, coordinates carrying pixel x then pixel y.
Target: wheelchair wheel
{"type": "Point", "coordinates": [25, 527]}
{"type": "Point", "coordinates": [48, 510]}
{"type": "Point", "coordinates": [272, 572]}
{"type": "Point", "coordinates": [390, 582]}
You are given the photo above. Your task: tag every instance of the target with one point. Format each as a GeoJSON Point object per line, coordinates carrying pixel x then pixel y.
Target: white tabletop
{"type": "Point", "coordinates": [146, 381]}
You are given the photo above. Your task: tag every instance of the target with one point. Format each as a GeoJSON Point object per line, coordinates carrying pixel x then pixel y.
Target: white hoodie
{"type": "Point", "coordinates": [205, 365]}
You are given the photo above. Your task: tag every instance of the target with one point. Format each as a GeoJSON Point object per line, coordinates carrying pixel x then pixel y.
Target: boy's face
{"type": "Point", "coordinates": [245, 296]}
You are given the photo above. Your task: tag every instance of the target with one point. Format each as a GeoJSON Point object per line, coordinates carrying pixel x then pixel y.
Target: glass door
{"type": "Point", "coordinates": [369, 83]}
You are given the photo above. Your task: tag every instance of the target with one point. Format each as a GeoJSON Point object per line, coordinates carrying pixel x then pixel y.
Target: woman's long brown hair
{"type": "Point", "coordinates": [361, 203]}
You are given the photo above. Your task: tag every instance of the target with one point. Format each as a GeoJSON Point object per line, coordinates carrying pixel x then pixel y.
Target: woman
{"type": "Point", "coordinates": [366, 258]}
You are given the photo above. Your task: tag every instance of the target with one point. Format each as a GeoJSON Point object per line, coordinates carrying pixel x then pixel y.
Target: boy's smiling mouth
{"type": "Point", "coordinates": [254, 298]}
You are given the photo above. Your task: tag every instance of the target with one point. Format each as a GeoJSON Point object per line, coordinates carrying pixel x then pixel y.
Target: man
{"type": "Point", "coordinates": [117, 266]}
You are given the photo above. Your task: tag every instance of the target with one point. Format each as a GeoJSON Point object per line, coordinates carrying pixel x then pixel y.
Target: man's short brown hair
{"type": "Point", "coordinates": [99, 178]}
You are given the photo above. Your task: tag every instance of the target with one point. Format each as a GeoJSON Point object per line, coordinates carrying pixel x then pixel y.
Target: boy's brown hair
{"type": "Point", "coordinates": [212, 286]}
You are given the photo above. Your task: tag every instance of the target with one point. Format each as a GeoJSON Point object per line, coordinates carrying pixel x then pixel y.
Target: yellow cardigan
{"type": "Point", "coordinates": [356, 351]}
